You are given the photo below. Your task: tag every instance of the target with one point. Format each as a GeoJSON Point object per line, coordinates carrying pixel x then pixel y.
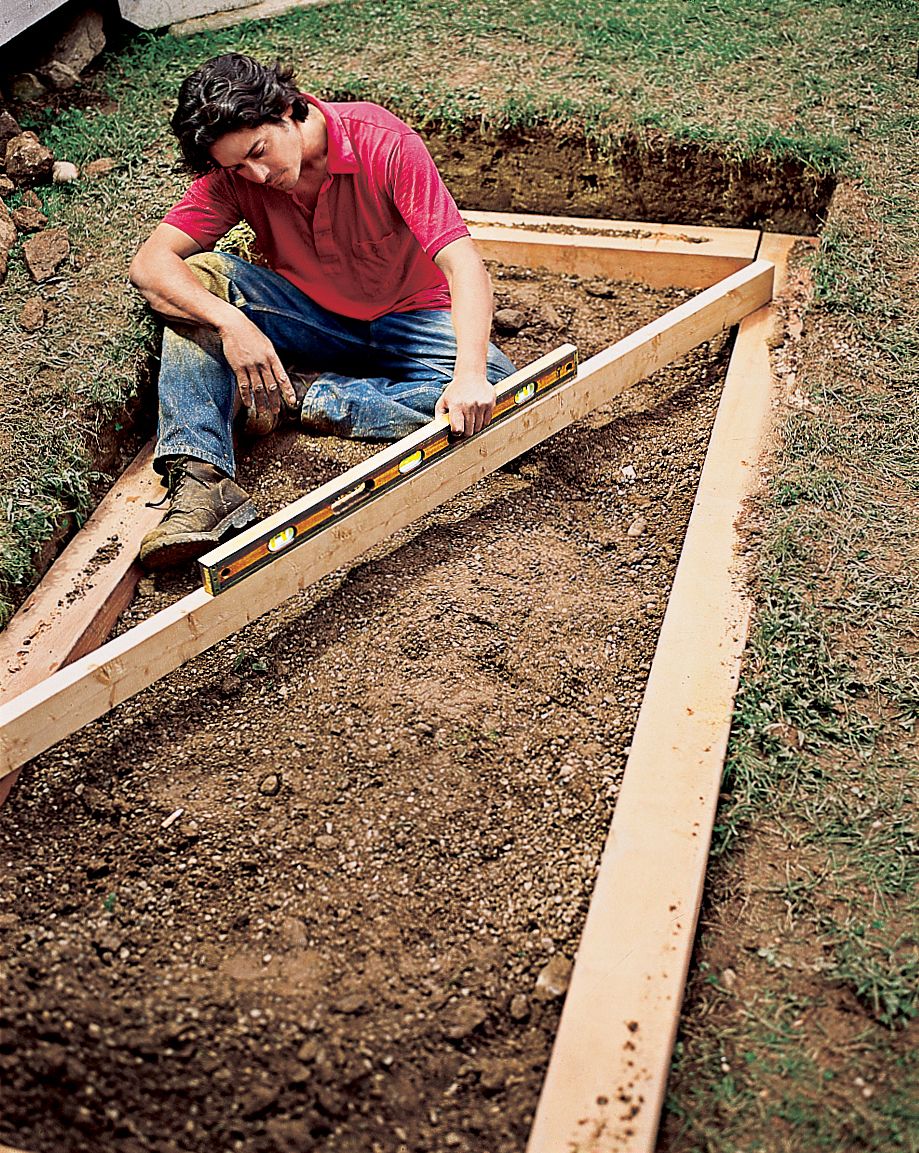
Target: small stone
{"type": "Point", "coordinates": [28, 161]}
{"type": "Point", "coordinates": [258, 1101]}
{"type": "Point", "coordinates": [509, 320]}
{"type": "Point", "coordinates": [326, 842]}
{"type": "Point", "coordinates": [550, 317]}
{"type": "Point", "coordinates": [6, 186]}
{"type": "Point", "coordinates": [270, 785]}
{"type": "Point", "coordinates": [553, 979]}
{"type": "Point", "coordinates": [308, 1051]}
{"type": "Point", "coordinates": [628, 474]}
{"type": "Point", "coordinates": [64, 172]}
{"type": "Point", "coordinates": [32, 316]}
{"type": "Point", "coordinates": [9, 921]}
{"type": "Point", "coordinates": [351, 1004]}
{"type": "Point", "coordinates": [8, 236]}
{"type": "Point", "coordinates": [31, 199]}
{"type": "Point", "coordinates": [60, 75]}
{"type": "Point", "coordinates": [29, 219]}
{"type": "Point", "coordinates": [492, 1076]}
{"type": "Point", "coordinates": [8, 129]}
{"type": "Point", "coordinates": [600, 288]}
{"type": "Point", "coordinates": [637, 527]}
{"type": "Point", "coordinates": [25, 88]}
{"type": "Point", "coordinates": [46, 251]}
{"type": "Point", "coordinates": [519, 1007]}
{"type": "Point", "coordinates": [101, 167]}
{"type": "Point", "coordinates": [423, 729]}
{"type": "Point", "coordinates": [463, 1018]}
{"type": "Point", "coordinates": [728, 979]}
{"type": "Point", "coordinates": [230, 686]}
{"type": "Point", "coordinates": [290, 1136]}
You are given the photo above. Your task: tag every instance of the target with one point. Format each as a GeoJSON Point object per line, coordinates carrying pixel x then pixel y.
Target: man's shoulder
{"type": "Point", "coordinates": [364, 116]}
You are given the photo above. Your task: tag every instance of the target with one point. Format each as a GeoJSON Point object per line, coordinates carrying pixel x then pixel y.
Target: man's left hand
{"type": "Point", "coordinates": [469, 403]}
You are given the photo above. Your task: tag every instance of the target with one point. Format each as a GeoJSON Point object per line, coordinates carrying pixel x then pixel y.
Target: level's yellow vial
{"type": "Point", "coordinates": [282, 539]}
{"type": "Point", "coordinates": [525, 393]}
{"type": "Point", "coordinates": [411, 462]}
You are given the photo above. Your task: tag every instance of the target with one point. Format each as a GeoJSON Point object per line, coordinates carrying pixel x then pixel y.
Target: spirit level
{"type": "Point", "coordinates": [232, 562]}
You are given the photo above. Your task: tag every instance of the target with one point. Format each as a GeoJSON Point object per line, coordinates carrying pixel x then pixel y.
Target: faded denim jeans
{"type": "Point", "coordinates": [379, 379]}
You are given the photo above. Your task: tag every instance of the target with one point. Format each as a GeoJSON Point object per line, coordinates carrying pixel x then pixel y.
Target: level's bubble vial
{"type": "Point", "coordinates": [523, 394]}
{"type": "Point", "coordinates": [282, 539]}
{"type": "Point", "coordinates": [408, 463]}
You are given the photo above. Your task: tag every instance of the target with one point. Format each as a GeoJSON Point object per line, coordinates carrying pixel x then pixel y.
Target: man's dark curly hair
{"type": "Point", "coordinates": [227, 93]}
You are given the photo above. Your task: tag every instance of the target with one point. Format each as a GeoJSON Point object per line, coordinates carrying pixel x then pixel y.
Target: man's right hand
{"type": "Point", "coordinates": [260, 376]}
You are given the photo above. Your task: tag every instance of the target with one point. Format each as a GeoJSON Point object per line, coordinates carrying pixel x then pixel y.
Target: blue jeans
{"type": "Point", "coordinates": [380, 379]}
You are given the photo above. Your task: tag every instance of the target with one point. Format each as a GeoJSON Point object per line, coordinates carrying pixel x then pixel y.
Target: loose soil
{"type": "Point", "coordinates": [299, 894]}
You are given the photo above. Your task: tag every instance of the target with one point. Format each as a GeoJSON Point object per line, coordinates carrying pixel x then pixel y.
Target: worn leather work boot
{"type": "Point", "coordinates": [206, 507]}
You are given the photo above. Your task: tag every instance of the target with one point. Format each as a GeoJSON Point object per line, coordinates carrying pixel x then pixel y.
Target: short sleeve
{"type": "Point", "coordinates": [421, 197]}
{"type": "Point", "coordinates": [207, 211]}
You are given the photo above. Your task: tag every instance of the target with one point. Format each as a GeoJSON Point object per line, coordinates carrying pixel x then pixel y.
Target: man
{"type": "Point", "coordinates": [374, 284]}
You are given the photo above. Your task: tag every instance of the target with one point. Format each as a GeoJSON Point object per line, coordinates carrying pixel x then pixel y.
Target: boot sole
{"type": "Point", "coordinates": [177, 550]}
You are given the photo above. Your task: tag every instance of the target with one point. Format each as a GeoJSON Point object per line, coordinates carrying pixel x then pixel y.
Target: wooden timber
{"type": "Point", "coordinates": [91, 583]}
{"type": "Point", "coordinates": [659, 255]}
{"type": "Point", "coordinates": [91, 686]}
{"type": "Point", "coordinates": [605, 1085]}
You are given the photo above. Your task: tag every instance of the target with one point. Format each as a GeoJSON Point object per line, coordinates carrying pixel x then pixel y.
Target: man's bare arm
{"type": "Point", "coordinates": [469, 399]}
{"type": "Point", "coordinates": [160, 274]}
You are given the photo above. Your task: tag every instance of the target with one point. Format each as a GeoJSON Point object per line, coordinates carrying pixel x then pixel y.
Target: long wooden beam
{"type": "Point", "coordinates": [92, 686]}
{"type": "Point", "coordinates": [75, 607]}
{"type": "Point", "coordinates": [659, 255]}
{"type": "Point", "coordinates": [605, 1085]}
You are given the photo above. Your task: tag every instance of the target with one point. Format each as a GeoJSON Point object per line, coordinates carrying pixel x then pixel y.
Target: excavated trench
{"type": "Point", "coordinates": [644, 178]}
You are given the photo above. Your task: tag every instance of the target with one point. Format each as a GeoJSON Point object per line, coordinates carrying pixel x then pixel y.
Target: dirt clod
{"type": "Point", "coordinates": [32, 316]}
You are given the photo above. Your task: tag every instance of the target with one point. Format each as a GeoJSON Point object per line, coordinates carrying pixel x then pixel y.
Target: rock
{"type": "Point", "coordinates": [352, 1004]}
{"type": "Point", "coordinates": [600, 288]}
{"type": "Point", "coordinates": [509, 320]}
{"type": "Point", "coordinates": [31, 199]}
{"type": "Point", "coordinates": [290, 1136]}
{"type": "Point", "coordinates": [60, 76]}
{"type": "Point", "coordinates": [76, 48]}
{"type": "Point", "coordinates": [553, 979]}
{"type": "Point", "coordinates": [230, 686]}
{"type": "Point", "coordinates": [637, 527]}
{"type": "Point", "coordinates": [46, 251]}
{"type": "Point", "coordinates": [6, 186]}
{"type": "Point", "coordinates": [64, 172]}
{"type": "Point", "coordinates": [493, 1076]}
{"type": "Point", "coordinates": [28, 161]}
{"type": "Point", "coordinates": [628, 474]}
{"type": "Point", "coordinates": [463, 1018]}
{"type": "Point", "coordinates": [8, 129]}
{"type": "Point", "coordinates": [258, 1101]}
{"type": "Point", "coordinates": [25, 88]}
{"type": "Point", "coordinates": [729, 979]}
{"type": "Point", "coordinates": [9, 921]}
{"type": "Point", "coordinates": [7, 237]}
{"type": "Point", "coordinates": [519, 1007]}
{"type": "Point", "coordinates": [29, 219]}
{"type": "Point", "coordinates": [270, 786]}
{"type": "Point", "coordinates": [32, 316]}
{"type": "Point", "coordinates": [550, 318]}
{"type": "Point", "coordinates": [101, 167]}
{"type": "Point", "coordinates": [326, 842]}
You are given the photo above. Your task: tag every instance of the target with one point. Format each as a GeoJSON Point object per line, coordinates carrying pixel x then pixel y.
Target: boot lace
{"type": "Point", "coordinates": [176, 474]}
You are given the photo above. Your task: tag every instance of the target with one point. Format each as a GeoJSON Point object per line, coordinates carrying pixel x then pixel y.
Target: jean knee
{"type": "Point", "coordinates": [213, 270]}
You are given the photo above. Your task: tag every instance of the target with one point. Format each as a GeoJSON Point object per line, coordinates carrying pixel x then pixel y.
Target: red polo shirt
{"type": "Point", "coordinates": [367, 249]}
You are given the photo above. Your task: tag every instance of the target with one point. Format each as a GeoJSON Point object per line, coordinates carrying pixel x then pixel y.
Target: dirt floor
{"type": "Point", "coordinates": [319, 889]}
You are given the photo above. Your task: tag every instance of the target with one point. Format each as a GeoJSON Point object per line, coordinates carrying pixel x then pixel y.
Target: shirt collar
{"type": "Point", "coordinates": [341, 156]}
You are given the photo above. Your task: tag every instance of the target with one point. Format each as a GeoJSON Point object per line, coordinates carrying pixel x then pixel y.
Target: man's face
{"type": "Point", "coordinates": [270, 154]}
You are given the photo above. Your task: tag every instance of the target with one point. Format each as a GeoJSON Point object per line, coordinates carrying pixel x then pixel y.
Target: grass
{"type": "Point", "coordinates": [812, 883]}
